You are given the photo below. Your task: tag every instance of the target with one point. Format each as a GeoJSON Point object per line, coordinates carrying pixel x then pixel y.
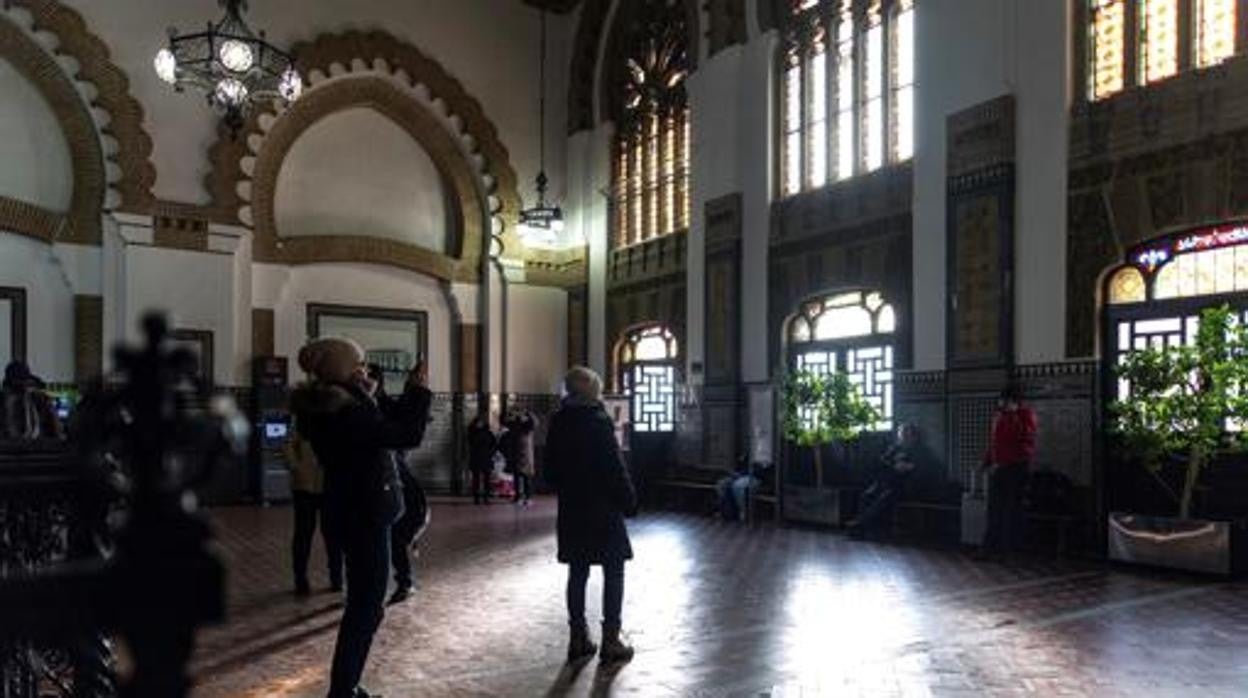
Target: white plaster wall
{"type": "Point", "coordinates": [289, 290]}
{"type": "Point", "coordinates": [713, 94]}
{"type": "Point", "coordinates": [490, 46]}
{"type": "Point", "coordinates": [970, 51]}
{"type": "Point", "coordinates": [537, 326]}
{"type": "Point", "coordinates": [34, 156]}
{"type": "Point", "coordinates": [1040, 38]}
{"type": "Point", "coordinates": [587, 215]}
{"type": "Point", "coordinates": [357, 172]}
{"type": "Point", "coordinates": [194, 288]}
{"type": "Point", "coordinates": [756, 107]}
{"type": "Point", "coordinates": [961, 62]}
{"type": "Point", "coordinates": [51, 276]}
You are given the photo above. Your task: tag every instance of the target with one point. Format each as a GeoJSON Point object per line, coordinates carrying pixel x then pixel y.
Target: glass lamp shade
{"type": "Point", "coordinates": [236, 56]}
{"type": "Point", "coordinates": [166, 65]}
{"type": "Point", "coordinates": [291, 85]}
{"type": "Point", "coordinates": [231, 92]}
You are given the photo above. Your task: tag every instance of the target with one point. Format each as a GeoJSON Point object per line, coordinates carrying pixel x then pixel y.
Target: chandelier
{"type": "Point", "coordinates": [234, 66]}
{"type": "Point", "coordinates": [541, 225]}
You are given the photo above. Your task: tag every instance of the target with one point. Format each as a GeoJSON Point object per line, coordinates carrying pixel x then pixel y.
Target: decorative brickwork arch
{"type": "Point", "coordinates": [427, 85]}
{"type": "Point", "coordinates": [50, 45]}
{"type": "Point", "coordinates": [383, 96]}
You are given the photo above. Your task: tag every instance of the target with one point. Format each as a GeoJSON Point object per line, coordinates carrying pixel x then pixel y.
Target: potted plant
{"type": "Point", "coordinates": [818, 410]}
{"type": "Point", "coordinates": [1180, 402]}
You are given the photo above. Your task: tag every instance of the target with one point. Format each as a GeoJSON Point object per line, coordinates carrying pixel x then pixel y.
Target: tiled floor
{"type": "Point", "coordinates": [721, 610]}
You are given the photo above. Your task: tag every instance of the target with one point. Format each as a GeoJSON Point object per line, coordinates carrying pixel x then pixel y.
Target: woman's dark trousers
{"type": "Point", "coordinates": [307, 507]}
{"type": "Point", "coordinates": [405, 530]}
{"type": "Point", "coordinates": [1006, 487]}
{"type": "Point", "coordinates": [524, 487]}
{"type": "Point", "coordinates": [481, 485]}
{"type": "Point", "coordinates": [612, 592]}
{"type": "Point", "coordinates": [875, 508]}
{"type": "Point", "coordinates": [367, 549]}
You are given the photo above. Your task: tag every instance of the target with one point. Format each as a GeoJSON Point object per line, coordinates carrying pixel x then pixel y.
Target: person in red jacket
{"type": "Point", "coordinates": [1008, 464]}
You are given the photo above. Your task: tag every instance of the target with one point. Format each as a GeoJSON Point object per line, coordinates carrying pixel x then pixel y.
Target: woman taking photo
{"type": "Point", "coordinates": [355, 438]}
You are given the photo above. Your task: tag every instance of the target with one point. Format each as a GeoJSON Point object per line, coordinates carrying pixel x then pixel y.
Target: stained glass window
{"type": "Point", "coordinates": [1215, 31]}
{"type": "Point", "coordinates": [1159, 39]}
{"type": "Point", "coordinates": [853, 333]}
{"type": "Point", "coordinates": [847, 90]}
{"type": "Point", "coordinates": [646, 359]}
{"type": "Point", "coordinates": [1107, 47]}
{"type": "Point", "coordinates": [1127, 286]}
{"type": "Point", "coordinates": [651, 164]}
{"type": "Point", "coordinates": [903, 81]}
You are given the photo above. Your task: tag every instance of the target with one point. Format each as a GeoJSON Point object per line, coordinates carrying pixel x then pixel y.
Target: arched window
{"type": "Point", "coordinates": [650, 172]}
{"type": "Point", "coordinates": [647, 359]}
{"type": "Point", "coordinates": [847, 76]}
{"type": "Point", "coordinates": [851, 332]}
{"type": "Point", "coordinates": [1155, 299]}
{"type": "Point", "coordinates": [1152, 38]}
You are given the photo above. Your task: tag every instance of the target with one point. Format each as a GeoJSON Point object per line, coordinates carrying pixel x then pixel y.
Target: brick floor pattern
{"type": "Point", "coordinates": [720, 610]}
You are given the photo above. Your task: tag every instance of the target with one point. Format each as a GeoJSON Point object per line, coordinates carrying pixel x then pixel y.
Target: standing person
{"type": "Point", "coordinates": [27, 412]}
{"type": "Point", "coordinates": [307, 485]}
{"type": "Point", "coordinates": [520, 427]}
{"type": "Point", "coordinates": [415, 519]}
{"type": "Point", "coordinates": [482, 445]}
{"type": "Point", "coordinates": [879, 501]}
{"type": "Point", "coordinates": [584, 465]}
{"type": "Point", "coordinates": [354, 438]}
{"type": "Point", "coordinates": [1008, 464]}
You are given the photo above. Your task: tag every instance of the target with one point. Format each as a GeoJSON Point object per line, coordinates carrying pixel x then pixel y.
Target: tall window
{"type": "Point", "coordinates": [850, 333]}
{"type": "Point", "coordinates": [651, 153]}
{"type": "Point", "coordinates": [847, 82]}
{"type": "Point", "coordinates": [1158, 39]}
{"type": "Point", "coordinates": [1154, 36]}
{"type": "Point", "coordinates": [1215, 31]}
{"type": "Point", "coordinates": [646, 360]}
{"type": "Point", "coordinates": [1156, 298]}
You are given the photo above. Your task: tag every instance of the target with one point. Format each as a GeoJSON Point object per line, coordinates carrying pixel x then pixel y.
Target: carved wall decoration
{"type": "Point", "coordinates": [588, 80]}
{"type": "Point", "coordinates": [981, 234]}
{"type": "Point", "coordinates": [88, 337]}
{"type": "Point", "coordinates": [1115, 203]}
{"type": "Point", "coordinates": [855, 234]}
{"type": "Point", "coordinates": [90, 96]}
{"type": "Point", "coordinates": [722, 398]}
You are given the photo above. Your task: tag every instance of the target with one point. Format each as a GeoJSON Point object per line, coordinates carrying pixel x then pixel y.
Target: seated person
{"type": "Point", "coordinates": [875, 507]}
{"type": "Point", "coordinates": [732, 490]}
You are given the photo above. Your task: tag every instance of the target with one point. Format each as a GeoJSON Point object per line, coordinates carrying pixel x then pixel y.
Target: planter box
{"type": "Point", "coordinates": [1194, 545]}
{"type": "Point", "coordinates": [827, 507]}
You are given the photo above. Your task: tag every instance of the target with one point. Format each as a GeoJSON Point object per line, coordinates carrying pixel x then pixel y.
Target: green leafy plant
{"type": "Point", "coordinates": [822, 409]}
{"type": "Point", "coordinates": [1181, 400]}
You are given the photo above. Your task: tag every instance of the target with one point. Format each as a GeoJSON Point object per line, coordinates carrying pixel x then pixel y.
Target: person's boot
{"type": "Point", "coordinates": [614, 649]}
{"type": "Point", "coordinates": [579, 645]}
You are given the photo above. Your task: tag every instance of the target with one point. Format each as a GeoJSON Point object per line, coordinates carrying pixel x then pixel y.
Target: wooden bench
{"type": "Point", "coordinates": [681, 491]}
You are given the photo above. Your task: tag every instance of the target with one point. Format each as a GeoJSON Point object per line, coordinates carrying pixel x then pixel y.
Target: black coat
{"type": "Point", "coordinates": [482, 445]}
{"type": "Point", "coordinates": [584, 465]}
{"type": "Point", "coordinates": [354, 438]}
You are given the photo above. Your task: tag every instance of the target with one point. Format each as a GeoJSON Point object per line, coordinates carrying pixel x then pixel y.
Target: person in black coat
{"type": "Point", "coordinates": [584, 465]}
{"type": "Point", "coordinates": [482, 445]}
{"type": "Point", "coordinates": [415, 519]}
{"type": "Point", "coordinates": [354, 438]}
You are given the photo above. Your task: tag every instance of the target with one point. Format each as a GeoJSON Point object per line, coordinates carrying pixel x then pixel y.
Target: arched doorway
{"type": "Point", "coordinates": [647, 372]}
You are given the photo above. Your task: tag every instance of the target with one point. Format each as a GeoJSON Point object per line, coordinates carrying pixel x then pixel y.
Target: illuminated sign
{"type": "Point", "coordinates": [1158, 253]}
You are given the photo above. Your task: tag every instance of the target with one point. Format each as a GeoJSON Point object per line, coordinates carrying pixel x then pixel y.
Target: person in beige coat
{"type": "Point", "coordinates": [307, 486]}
